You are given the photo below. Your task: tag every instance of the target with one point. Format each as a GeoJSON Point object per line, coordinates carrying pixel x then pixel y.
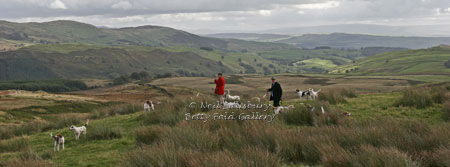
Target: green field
{"type": "Point", "coordinates": [424, 61]}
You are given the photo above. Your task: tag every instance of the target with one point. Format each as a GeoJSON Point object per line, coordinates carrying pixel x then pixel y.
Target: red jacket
{"type": "Point", "coordinates": [220, 86]}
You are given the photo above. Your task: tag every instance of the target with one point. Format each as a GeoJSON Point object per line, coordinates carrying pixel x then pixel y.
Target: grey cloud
{"type": "Point", "coordinates": [42, 8]}
{"type": "Point", "coordinates": [229, 15]}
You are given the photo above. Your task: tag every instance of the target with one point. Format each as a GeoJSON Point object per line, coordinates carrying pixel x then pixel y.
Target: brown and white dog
{"type": "Point", "coordinates": [59, 140]}
{"type": "Point", "coordinates": [149, 106]}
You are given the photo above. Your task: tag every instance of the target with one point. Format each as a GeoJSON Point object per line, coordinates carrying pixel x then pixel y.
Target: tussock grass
{"type": "Point", "coordinates": [388, 157]}
{"type": "Point", "coordinates": [163, 118]}
{"type": "Point", "coordinates": [336, 95]}
{"type": "Point", "coordinates": [414, 98]}
{"type": "Point", "coordinates": [27, 158]}
{"type": "Point", "coordinates": [168, 154]}
{"type": "Point", "coordinates": [149, 135]}
{"type": "Point", "coordinates": [127, 109]}
{"type": "Point", "coordinates": [13, 145]}
{"type": "Point", "coordinates": [439, 157]}
{"type": "Point", "coordinates": [340, 142]}
{"type": "Point", "coordinates": [104, 132]}
{"type": "Point", "coordinates": [446, 110]}
{"type": "Point", "coordinates": [27, 162]}
{"type": "Point", "coordinates": [10, 131]}
{"type": "Point", "coordinates": [302, 115]}
{"type": "Point", "coordinates": [171, 113]}
{"type": "Point", "coordinates": [63, 120]}
{"type": "Point", "coordinates": [424, 97]}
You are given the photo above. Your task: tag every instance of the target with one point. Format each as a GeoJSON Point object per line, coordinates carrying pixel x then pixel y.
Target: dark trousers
{"type": "Point", "coordinates": [276, 102]}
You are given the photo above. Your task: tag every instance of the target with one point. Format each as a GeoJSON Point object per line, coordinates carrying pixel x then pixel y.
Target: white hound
{"type": "Point", "coordinates": [79, 130]}
{"type": "Point", "coordinates": [314, 94]}
{"type": "Point", "coordinates": [283, 109]}
{"type": "Point", "coordinates": [59, 140]}
{"type": "Point", "coordinates": [231, 98]}
{"type": "Point", "coordinates": [257, 99]}
{"type": "Point", "coordinates": [311, 108]}
{"type": "Point", "coordinates": [232, 105]}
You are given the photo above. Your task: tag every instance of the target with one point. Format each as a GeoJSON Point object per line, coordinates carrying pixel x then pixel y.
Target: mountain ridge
{"type": "Point", "coordinates": [67, 31]}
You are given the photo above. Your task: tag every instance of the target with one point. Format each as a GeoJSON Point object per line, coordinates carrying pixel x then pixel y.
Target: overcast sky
{"type": "Point", "coordinates": [207, 16]}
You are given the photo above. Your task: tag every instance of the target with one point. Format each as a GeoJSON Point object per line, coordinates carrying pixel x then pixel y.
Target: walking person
{"type": "Point", "coordinates": [276, 94]}
{"type": "Point", "coordinates": [220, 87]}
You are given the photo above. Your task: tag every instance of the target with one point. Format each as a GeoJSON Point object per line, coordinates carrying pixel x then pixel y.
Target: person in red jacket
{"type": "Point", "coordinates": [220, 87]}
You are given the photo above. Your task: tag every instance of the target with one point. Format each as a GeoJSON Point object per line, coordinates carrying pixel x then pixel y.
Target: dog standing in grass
{"type": "Point", "coordinates": [283, 109]}
{"type": "Point", "coordinates": [79, 130]}
{"type": "Point", "coordinates": [59, 140]}
{"type": "Point", "coordinates": [148, 106]}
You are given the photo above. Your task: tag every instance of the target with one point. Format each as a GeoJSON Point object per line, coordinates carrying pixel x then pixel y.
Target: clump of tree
{"type": "Point", "coordinates": [447, 64]}
{"type": "Point", "coordinates": [121, 80]}
{"type": "Point", "coordinates": [17, 36]}
{"type": "Point", "coordinates": [54, 85]}
{"type": "Point", "coordinates": [322, 47]}
{"type": "Point", "coordinates": [165, 75]}
{"type": "Point", "coordinates": [186, 73]}
{"type": "Point", "coordinates": [267, 71]}
{"type": "Point", "coordinates": [248, 68]}
{"type": "Point", "coordinates": [206, 48]}
{"type": "Point", "coordinates": [139, 75]}
{"type": "Point", "coordinates": [128, 78]}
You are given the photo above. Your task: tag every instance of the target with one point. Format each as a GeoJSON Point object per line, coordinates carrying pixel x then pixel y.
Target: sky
{"type": "Point", "coordinates": [215, 16]}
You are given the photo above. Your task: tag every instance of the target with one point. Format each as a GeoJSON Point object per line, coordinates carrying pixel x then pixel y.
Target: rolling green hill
{"type": "Point", "coordinates": [86, 61]}
{"type": "Point", "coordinates": [424, 61]}
{"type": "Point", "coordinates": [341, 40]}
{"type": "Point", "coordinates": [63, 31]}
{"type": "Point", "coordinates": [80, 61]}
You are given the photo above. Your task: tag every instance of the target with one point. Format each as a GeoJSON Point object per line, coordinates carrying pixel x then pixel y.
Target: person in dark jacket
{"type": "Point", "coordinates": [276, 94]}
{"type": "Point", "coordinates": [220, 87]}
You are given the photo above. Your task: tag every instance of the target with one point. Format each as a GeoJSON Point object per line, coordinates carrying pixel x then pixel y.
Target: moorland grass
{"type": "Point", "coordinates": [63, 120]}
{"type": "Point", "coordinates": [164, 138]}
{"type": "Point", "coordinates": [336, 95]}
{"type": "Point", "coordinates": [13, 145]}
{"type": "Point", "coordinates": [423, 97]}
{"type": "Point", "coordinates": [375, 140]}
{"type": "Point", "coordinates": [446, 111]}
{"type": "Point", "coordinates": [104, 132]}
{"type": "Point", "coordinates": [345, 142]}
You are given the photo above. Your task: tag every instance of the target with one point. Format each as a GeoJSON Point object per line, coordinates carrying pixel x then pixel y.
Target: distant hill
{"type": "Point", "coordinates": [341, 40]}
{"type": "Point", "coordinates": [372, 29]}
{"type": "Point", "coordinates": [250, 36]}
{"type": "Point", "coordinates": [434, 60]}
{"type": "Point", "coordinates": [64, 31]}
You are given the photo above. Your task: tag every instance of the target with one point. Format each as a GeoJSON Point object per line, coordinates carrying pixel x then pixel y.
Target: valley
{"type": "Point", "coordinates": [381, 100]}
